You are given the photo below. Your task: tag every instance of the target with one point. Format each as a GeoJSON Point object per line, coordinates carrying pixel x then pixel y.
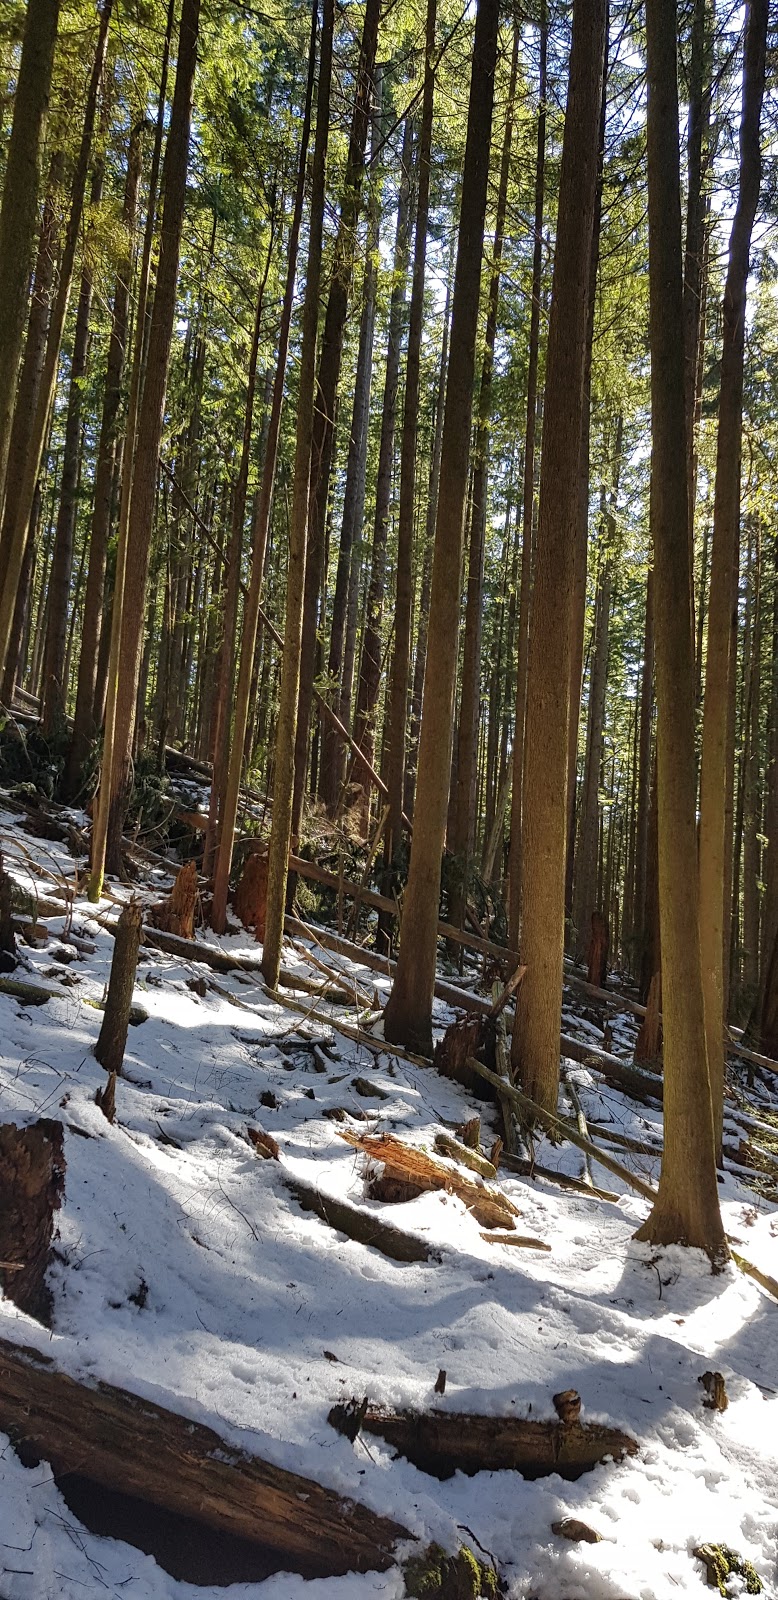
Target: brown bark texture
{"type": "Point", "coordinates": [32, 1176]}
{"type": "Point", "coordinates": [112, 1038]}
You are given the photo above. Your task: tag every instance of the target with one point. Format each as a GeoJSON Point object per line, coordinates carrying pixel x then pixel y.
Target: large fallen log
{"type": "Point", "coordinates": [444, 1442]}
{"type": "Point", "coordinates": [617, 1001]}
{"type": "Point", "coordinates": [119, 1441]}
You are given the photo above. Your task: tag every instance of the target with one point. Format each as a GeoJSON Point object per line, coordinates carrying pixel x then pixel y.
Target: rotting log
{"type": "Point", "coordinates": [407, 1165]}
{"type": "Point", "coordinates": [444, 1442]}
{"type": "Point", "coordinates": [32, 1175]}
{"type": "Point", "coordinates": [362, 1226]}
{"type": "Point", "coordinates": [524, 1168]}
{"type": "Point", "coordinates": [119, 1441]}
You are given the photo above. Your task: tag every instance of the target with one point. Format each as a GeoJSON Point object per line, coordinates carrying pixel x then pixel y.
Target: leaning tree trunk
{"type": "Point", "coordinates": [720, 663]}
{"type": "Point", "coordinates": [535, 1047]}
{"type": "Point", "coordinates": [686, 1210]}
{"type": "Point", "coordinates": [286, 727]}
{"type": "Point", "coordinates": [408, 1015]}
{"type": "Point", "coordinates": [132, 560]}
{"type": "Point", "coordinates": [19, 208]}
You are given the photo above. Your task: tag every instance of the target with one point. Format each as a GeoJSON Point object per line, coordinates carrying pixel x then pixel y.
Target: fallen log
{"type": "Point", "coordinates": [121, 1442]}
{"type": "Point", "coordinates": [444, 1442]}
{"type": "Point", "coordinates": [524, 1168]}
{"type": "Point", "coordinates": [410, 1166]}
{"type": "Point", "coordinates": [362, 1226]}
{"type": "Point", "coordinates": [617, 1001]}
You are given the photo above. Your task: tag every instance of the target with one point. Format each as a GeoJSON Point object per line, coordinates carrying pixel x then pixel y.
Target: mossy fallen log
{"type": "Point", "coordinates": [444, 1442]}
{"type": "Point", "coordinates": [121, 1442]}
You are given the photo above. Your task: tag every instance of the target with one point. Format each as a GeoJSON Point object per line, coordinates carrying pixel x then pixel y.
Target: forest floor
{"type": "Point", "coordinates": [186, 1272]}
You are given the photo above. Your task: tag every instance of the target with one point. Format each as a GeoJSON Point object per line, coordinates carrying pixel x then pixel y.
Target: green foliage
{"type": "Point", "coordinates": [721, 1563]}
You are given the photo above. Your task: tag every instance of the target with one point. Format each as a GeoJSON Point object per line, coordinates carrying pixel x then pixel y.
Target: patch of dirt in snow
{"type": "Point", "coordinates": [187, 1272]}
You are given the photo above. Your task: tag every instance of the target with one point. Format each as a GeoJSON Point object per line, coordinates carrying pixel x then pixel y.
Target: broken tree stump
{"type": "Point", "coordinates": [32, 1175]}
{"type": "Point", "coordinates": [444, 1442]}
{"type": "Point", "coordinates": [112, 1038]}
{"type": "Point", "coordinates": [250, 899]}
{"type": "Point", "coordinates": [8, 955]}
{"type": "Point", "coordinates": [405, 1165]}
{"type": "Point", "coordinates": [118, 1441]}
{"type": "Point", "coordinates": [473, 1035]}
{"type": "Point", "coordinates": [176, 914]}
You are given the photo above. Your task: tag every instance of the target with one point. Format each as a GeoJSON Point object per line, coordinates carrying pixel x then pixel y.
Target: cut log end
{"type": "Point", "coordinates": [32, 1177]}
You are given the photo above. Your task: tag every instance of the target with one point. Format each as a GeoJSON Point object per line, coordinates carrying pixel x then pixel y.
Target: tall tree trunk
{"type": "Point", "coordinates": [408, 1015]}
{"type": "Point", "coordinates": [327, 390]}
{"type": "Point", "coordinates": [54, 693]}
{"type": "Point", "coordinates": [226, 671]}
{"type": "Point", "coordinates": [141, 469]}
{"type": "Point", "coordinates": [26, 399]}
{"type": "Point", "coordinates": [259, 534]}
{"type": "Point", "coordinates": [752, 788]}
{"type": "Point", "coordinates": [535, 1047]}
{"type": "Point", "coordinates": [644, 783]}
{"type": "Point", "coordinates": [286, 726]}
{"type": "Point", "coordinates": [369, 680]}
{"type": "Point", "coordinates": [403, 611]}
{"type": "Point", "coordinates": [18, 540]}
{"type": "Point", "coordinates": [686, 1210]}
{"type": "Point", "coordinates": [19, 208]}
{"type": "Point", "coordinates": [461, 840]}
{"type": "Point", "coordinates": [587, 899]}
{"type": "Point", "coordinates": [528, 508]}
{"type": "Point", "coordinates": [84, 722]}
{"type": "Point", "coordinates": [720, 665]}
{"type": "Point", "coordinates": [695, 247]}
{"type": "Point", "coordinates": [346, 575]}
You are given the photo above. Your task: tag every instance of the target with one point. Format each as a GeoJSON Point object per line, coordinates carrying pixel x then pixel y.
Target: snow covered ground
{"type": "Point", "coordinates": [186, 1272]}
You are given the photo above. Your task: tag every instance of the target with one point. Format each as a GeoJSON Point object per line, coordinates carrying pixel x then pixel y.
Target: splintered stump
{"type": "Point", "coordinates": [444, 1442]}
{"type": "Point", "coordinates": [250, 898]}
{"type": "Point", "coordinates": [599, 948]}
{"type": "Point", "coordinates": [176, 914]}
{"type": "Point", "coordinates": [112, 1038]}
{"type": "Point", "coordinates": [408, 1172]}
{"type": "Point", "coordinates": [119, 1442]}
{"type": "Point", "coordinates": [468, 1036]}
{"type": "Point", "coordinates": [32, 1172]}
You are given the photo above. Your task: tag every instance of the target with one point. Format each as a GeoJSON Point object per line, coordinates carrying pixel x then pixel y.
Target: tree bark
{"type": "Point", "coordinates": [408, 1015]}
{"type": "Point", "coordinates": [112, 1038]}
{"type": "Point", "coordinates": [686, 1210]}
{"type": "Point", "coordinates": [535, 1047]}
